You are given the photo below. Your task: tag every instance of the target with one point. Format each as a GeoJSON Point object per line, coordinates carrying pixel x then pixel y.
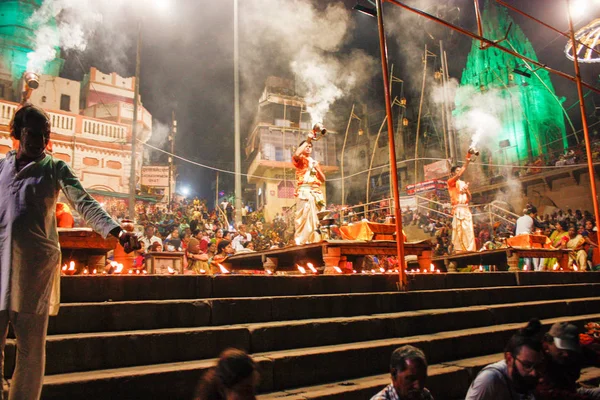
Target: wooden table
{"type": "Point", "coordinates": [84, 246]}
{"type": "Point", "coordinates": [330, 253]}
{"type": "Point", "coordinates": [501, 258]}
{"type": "Point", "coordinates": [159, 262]}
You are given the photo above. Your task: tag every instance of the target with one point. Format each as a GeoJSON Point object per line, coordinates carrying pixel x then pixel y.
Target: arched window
{"type": "Point", "coordinates": [285, 190]}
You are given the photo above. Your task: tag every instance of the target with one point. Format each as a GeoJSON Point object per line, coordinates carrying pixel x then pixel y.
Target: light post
{"type": "Point", "coordinates": [236, 84]}
{"type": "Point", "coordinates": [134, 125]}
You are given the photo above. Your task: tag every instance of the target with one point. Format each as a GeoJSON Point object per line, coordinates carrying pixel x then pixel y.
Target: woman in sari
{"type": "Point", "coordinates": [559, 239]}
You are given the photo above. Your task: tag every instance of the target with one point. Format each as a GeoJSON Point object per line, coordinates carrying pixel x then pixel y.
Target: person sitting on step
{"type": "Point", "coordinates": [517, 375]}
{"type": "Point", "coordinates": [408, 367]}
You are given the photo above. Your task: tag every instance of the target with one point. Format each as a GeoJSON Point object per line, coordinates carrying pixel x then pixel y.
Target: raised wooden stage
{"type": "Point", "coordinates": [328, 253]}
{"type": "Point", "coordinates": [502, 259]}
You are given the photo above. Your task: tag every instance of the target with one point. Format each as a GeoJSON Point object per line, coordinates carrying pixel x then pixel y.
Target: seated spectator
{"type": "Point", "coordinates": [247, 247]}
{"type": "Point", "coordinates": [197, 260]}
{"type": "Point", "coordinates": [172, 242]}
{"type": "Point", "coordinates": [148, 238]}
{"type": "Point", "coordinates": [577, 254]}
{"type": "Point", "coordinates": [224, 250]}
{"type": "Point", "coordinates": [241, 238]}
{"type": "Point", "coordinates": [235, 377]}
{"type": "Point", "coordinates": [564, 361]}
{"type": "Point", "coordinates": [517, 375]}
{"type": "Point", "coordinates": [408, 368]}
{"type": "Point", "coordinates": [155, 247]}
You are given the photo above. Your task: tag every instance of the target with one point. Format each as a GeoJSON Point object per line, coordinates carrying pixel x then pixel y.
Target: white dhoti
{"type": "Point", "coordinates": [309, 202]}
{"type": "Point", "coordinates": [463, 238]}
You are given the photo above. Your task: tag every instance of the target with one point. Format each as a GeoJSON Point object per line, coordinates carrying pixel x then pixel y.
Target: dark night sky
{"type": "Point", "coordinates": [187, 67]}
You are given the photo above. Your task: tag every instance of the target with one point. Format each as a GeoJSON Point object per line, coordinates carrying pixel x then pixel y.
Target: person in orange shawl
{"type": "Point", "coordinates": [463, 238]}
{"type": "Point", "coordinates": [309, 198]}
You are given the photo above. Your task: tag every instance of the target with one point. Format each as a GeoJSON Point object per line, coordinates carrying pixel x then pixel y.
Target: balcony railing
{"type": "Point", "coordinates": [94, 128]}
{"type": "Point", "coordinates": [67, 124]}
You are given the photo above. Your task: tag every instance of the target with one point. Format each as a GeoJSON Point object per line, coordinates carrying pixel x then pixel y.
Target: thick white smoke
{"type": "Point", "coordinates": [61, 23]}
{"type": "Point", "coordinates": [307, 39]}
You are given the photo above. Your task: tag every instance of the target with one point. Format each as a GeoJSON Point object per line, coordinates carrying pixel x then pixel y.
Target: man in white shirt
{"type": "Point", "coordinates": [242, 237]}
{"type": "Point", "coordinates": [526, 225]}
{"type": "Point", "coordinates": [148, 239]}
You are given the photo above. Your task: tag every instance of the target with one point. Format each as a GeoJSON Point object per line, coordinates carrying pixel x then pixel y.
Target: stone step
{"type": "Point", "coordinates": [84, 289]}
{"type": "Point", "coordinates": [90, 351]}
{"type": "Point", "coordinates": [447, 380]}
{"type": "Point", "coordinates": [159, 314]}
{"type": "Point", "coordinates": [312, 366]}
{"type": "Point", "coordinates": [284, 370]}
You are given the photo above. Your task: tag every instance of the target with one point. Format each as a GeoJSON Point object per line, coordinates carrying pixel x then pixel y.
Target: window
{"type": "Point", "coordinates": [285, 190]}
{"type": "Point", "coordinates": [65, 102]}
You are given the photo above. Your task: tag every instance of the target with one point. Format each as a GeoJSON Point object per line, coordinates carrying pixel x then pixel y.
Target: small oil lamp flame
{"type": "Point", "coordinates": [223, 269]}
{"type": "Point", "coordinates": [301, 269]}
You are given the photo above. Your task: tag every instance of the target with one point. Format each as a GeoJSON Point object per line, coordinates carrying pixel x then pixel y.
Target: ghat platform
{"type": "Point", "coordinates": [328, 253]}
{"type": "Point", "coordinates": [500, 258]}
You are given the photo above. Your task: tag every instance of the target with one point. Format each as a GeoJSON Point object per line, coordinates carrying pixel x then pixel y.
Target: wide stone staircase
{"type": "Point", "coordinates": [314, 337]}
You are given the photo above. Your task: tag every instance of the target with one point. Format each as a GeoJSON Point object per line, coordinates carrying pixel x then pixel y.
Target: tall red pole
{"type": "Point", "coordinates": [392, 146]}
{"type": "Point", "coordinates": [586, 134]}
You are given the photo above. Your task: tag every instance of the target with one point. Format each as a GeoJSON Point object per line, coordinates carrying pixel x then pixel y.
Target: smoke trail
{"type": "Point", "coordinates": [75, 22]}
{"type": "Point", "coordinates": [295, 35]}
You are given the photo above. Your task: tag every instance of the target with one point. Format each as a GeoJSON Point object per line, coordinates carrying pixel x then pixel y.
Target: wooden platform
{"type": "Point", "coordinates": [328, 253]}
{"type": "Point", "coordinates": [502, 259]}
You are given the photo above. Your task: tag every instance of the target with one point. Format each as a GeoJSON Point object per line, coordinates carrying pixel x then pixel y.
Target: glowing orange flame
{"type": "Point", "coordinates": [130, 272]}
{"type": "Point", "coordinates": [202, 271]}
{"type": "Point", "coordinates": [72, 266]}
{"type": "Point", "coordinates": [432, 267]}
{"type": "Point", "coordinates": [223, 269]}
{"type": "Point", "coordinates": [575, 267]}
{"type": "Point", "coordinates": [555, 266]}
{"type": "Point", "coordinates": [337, 269]}
{"type": "Point", "coordinates": [94, 272]}
{"type": "Point", "coordinates": [312, 268]}
{"type": "Point", "coordinates": [301, 269]}
{"type": "Point", "coordinates": [481, 268]}
{"type": "Point", "coordinates": [171, 270]}
{"type": "Point", "coordinates": [85, 271]}
{"type": "Point", "coordinates": [144, 272]}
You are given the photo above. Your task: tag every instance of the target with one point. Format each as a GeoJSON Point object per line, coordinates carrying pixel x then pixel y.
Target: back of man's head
{"type": "Point", "coordinates": [32, 118]}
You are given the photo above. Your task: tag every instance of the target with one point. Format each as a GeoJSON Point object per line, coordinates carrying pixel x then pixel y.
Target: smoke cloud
{"type": "Point", "coordinates": [295, 35]}
{"type": "Point", "coordinates": [76, 20]}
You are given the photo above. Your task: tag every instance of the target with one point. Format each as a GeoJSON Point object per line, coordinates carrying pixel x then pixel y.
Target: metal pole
{"type": "Point", "coordinates": [217, 192]}
{"type": "Point", "coordinates": [444, 119]}
{"type": "Point", "coordinates": [419, 116]}
{"type": "Point", "coordinates": [586, 133]}
{"type": "Point", "coordinates": [373, 156]}
{"type": "Point", "coordinates": [545, 24]}
{"type": "Point", "coordinates": [491, 43]}
{"type": "Point", "coordinates": [392, 146]}
{"type": "Point", "coordinates": [172, 139]}
{"type": "Point", "coordinates": [451, 131]}
{"type": "Point", "coordinates": [134, 126]}
{"type": "Point", "coordinates": [343, 153]}
{"type": "Point", "coordinates": [478, 17]}
{"type": "Point", "coordinates": [236, 80]}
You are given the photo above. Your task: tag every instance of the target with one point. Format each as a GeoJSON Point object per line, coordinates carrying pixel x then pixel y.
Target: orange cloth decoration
{"type": "Point", "coordinates": [365, 230]}
{"type": "Point", "coordinates": [64, 217]}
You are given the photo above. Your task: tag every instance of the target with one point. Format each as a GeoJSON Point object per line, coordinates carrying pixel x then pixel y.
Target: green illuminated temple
{"type": "Point", "coordinates": [531, 116]}
{"type": "Point", "coordinates": [17, 38]}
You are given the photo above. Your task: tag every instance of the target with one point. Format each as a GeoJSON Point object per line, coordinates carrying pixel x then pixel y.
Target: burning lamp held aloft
{"type": "Point", "coordinates": [32, 82]}
{"type": "Point", "coordinates": [319, 129]}
{"type": "Point", "coordinates": [473, 153]}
